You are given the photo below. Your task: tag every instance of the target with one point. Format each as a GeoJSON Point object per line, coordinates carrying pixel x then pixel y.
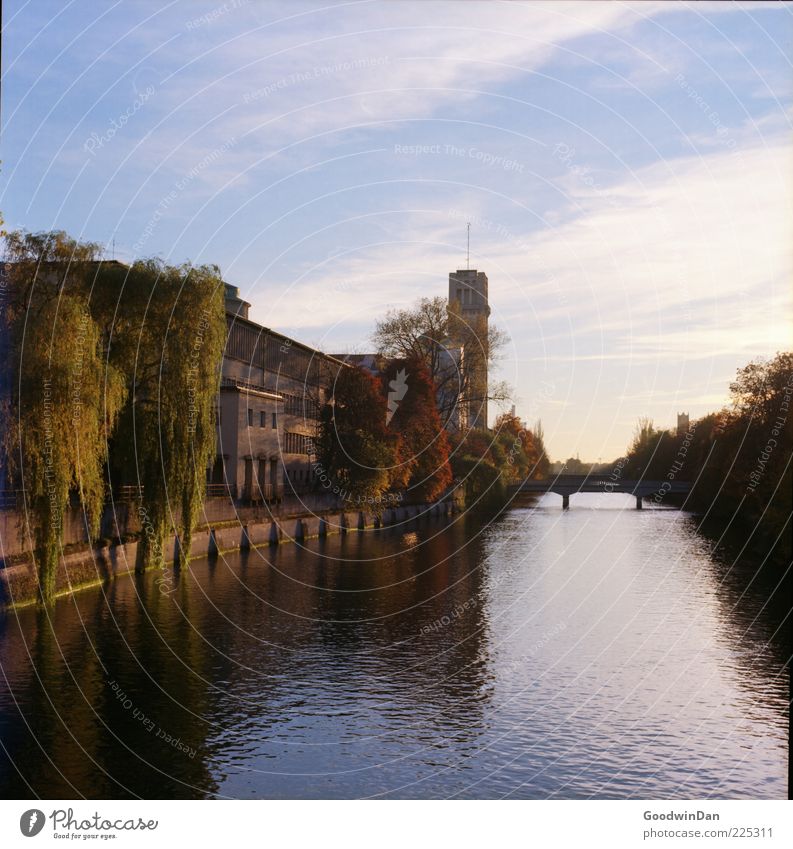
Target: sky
{"type": "Point", "coordinates": [625, 168]}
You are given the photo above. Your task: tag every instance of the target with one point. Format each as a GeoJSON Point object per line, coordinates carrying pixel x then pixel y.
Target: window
{"type": "Point", "coordinates": [297, 443]}
{"type": "Point", "coordinates": [262, 419]}
{"type": "Point", "coordinates": [250, 417]}
{"type": "Point", "coordinates": [275, 421]}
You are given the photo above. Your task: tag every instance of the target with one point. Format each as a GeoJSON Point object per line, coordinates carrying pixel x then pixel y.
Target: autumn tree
{"type": "Point", "coordinates": [435, 332]}
{"type": "Point", "coordinates": [423, 448]}
{"type": "Point", "coordinates": [739, 459]}
{"type": "Point", "coordinates": [355, 450]}
{"type": "Point", "coordinates": [523, 448]}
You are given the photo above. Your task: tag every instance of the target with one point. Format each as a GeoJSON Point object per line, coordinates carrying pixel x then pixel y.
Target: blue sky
{"type": "Point", "coordinates": [626, 169]}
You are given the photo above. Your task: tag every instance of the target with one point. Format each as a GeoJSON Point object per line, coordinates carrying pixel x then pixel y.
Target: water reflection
{"type": "Point", "coordinates": [595, 652]}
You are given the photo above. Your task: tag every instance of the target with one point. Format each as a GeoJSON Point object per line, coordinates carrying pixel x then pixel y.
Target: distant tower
{"type": "Point", "coordinates": [468, 296]}
{"type": "Point", "coordinates": [682, 424]}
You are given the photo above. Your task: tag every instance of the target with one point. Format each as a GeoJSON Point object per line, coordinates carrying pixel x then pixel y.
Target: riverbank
{"type": "Point", "coordinates": [84, 566]}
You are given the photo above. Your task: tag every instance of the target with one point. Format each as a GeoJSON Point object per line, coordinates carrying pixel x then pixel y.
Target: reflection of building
{"type": "Point", "coordinates": [272, 389]}
{"type": "Point", "coordinates": [468, 295]}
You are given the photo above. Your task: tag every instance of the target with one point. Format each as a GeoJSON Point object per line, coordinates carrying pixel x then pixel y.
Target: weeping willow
{"type": "Point", "coordinates": [65, 404]}
{"type": "Point", "coordinates": [169, 332]}
{"type": "Point", "coordinates": [116, 369]}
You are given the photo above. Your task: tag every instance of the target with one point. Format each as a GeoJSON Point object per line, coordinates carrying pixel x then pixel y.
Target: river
{"type": "Point", "coordinates": [598, 652]}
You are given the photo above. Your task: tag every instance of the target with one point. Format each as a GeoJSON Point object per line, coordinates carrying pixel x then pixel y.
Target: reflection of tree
{"type": "Point", "coordinates": [84, 738]}
{"type": "Point", "coordinates": [241, 659]}
{"type": "Point", "coordinates": [413, 624]}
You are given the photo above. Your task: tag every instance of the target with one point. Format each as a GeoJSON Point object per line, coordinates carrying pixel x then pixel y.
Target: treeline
{"type": "Point", "coordinates": [115, 372]}
{"type": "Point", "coordinates": [738, 459]}
{"type": "Point", "coordinates": [390, 435]}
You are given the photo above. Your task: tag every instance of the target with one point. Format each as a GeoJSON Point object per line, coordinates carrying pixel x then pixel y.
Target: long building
{"type": "Point", "coordinates": [271, 393]}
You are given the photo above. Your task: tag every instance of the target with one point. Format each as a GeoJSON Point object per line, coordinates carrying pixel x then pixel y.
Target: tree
{"type": "Point", "coordinates": [167, 327]}
{"type": "Point", "coordinates": [354, 447]}
{"type": "Point", "coordinates": [524, 449]}
{"type": "Point", "coordinates": [738, 459]}
{"type": "Point", "coordinates": [760, 387]}
{"type": "Point", "coordinates": [423, 448]}
{"type": "Point", "coordinates": [65, 399]}
{"type": "Point", "coordinates": [477, 462]}
{"type": "Point", "coordinates": [434, 332]}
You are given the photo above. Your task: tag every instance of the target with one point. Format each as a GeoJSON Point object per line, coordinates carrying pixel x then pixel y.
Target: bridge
{"type": "Point", "coordinates": [567, 485]}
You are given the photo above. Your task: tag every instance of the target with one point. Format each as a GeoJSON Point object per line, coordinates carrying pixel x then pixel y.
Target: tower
{"type": "Point", "coordinates": [468, 303]}
{"type": "Point", "coordinates": [682, 424]}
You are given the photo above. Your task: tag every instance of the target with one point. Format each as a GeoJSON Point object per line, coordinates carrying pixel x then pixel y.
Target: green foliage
{"type": "Point", "coordinates": [66, 398]}
{"type": "Point", "coordinates": [167, 330]}
{"type": "Point", "coordinates": [106, 355]}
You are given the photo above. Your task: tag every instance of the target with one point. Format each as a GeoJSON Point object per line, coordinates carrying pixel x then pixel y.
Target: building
{"type": "Point", "coordinates": [271, 392]}
{"type": "Point", "coordinates": [461, 376]}
{"type": "Point", "coordinates": [683, 424]}
{"type": "Point", "coordinates": [468, 295]}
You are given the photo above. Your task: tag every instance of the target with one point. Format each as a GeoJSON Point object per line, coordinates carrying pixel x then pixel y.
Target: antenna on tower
{"type": "Point", "coordinates": [113, 243]}
{"type": "Point", "coordinates": [468, 249]}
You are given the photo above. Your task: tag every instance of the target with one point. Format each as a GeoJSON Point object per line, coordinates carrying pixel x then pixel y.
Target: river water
{"type": "Point", "coordinates": [597, 652]}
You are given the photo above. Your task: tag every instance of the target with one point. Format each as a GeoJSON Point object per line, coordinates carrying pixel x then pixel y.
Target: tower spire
{"type": "Point", "coordinates": [468, 249]}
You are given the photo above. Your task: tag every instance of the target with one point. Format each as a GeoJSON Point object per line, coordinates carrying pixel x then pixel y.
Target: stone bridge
{"type": "Point", "coordinates": [567, 485]}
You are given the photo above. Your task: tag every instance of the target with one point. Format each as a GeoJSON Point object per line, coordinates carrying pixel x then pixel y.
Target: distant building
{"type": "Point", "coordinates": [462, 398]}
{"type": "Point", "coordinates": [683, 424]}
{"type": "Point", "coordinates": [468, 291]}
